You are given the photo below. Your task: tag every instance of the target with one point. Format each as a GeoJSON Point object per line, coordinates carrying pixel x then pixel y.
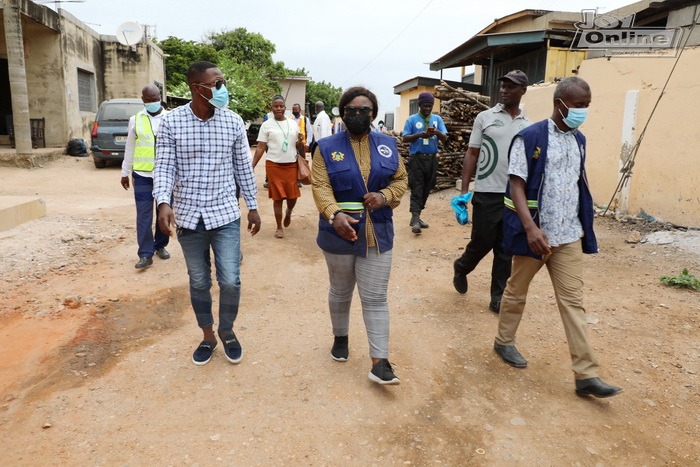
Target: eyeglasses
{"type": "Point", "coordinates": [351, 110]}
{"type": "Point", "coordinates": [217, 84]}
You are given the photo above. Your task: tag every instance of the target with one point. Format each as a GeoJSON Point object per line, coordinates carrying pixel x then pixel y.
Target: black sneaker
{"type": "Point", "coordinates": [340, 352]}
{"type": "Point", "coordinates": [202, 355]}
{"type": "Point", "coordinates": [382, 373]}
{"type": "Point", "coordinates": [232, 348]}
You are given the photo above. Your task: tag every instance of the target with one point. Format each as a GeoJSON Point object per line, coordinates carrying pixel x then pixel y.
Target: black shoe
{"type": "Point", "coordinates": [144, 263]}
{"type": "Point", "coordinates": [595, 387]}
{"type": "Point", "coordinates": [423, 225]}
{"type": "Point", "coordinates": [495, 306]}
{"type": "Point", "coordinates": [415, 224]}
{"type": "Point", "coordinates": [232, 348]}
{"type": "Point", "coordinates": [202, 355]}
{"type": "Point", "coordinates": [459, 280]}
{"type": "Point", "coordinates": [382, 373]}
{"type": "Point", "coordinates": [162, 253]}
{"type": "Point", "coordinates": [340, 352]}
{"type": "Point", "coordinates": [510, 355]}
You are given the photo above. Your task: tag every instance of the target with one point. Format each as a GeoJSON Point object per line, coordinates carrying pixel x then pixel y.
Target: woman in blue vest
{"type": "Point", "coordinates": [357, 184]}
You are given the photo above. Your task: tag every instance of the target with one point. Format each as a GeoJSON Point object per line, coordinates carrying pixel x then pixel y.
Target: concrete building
{"type": "Point", "coordinates": [55, 71]}
{"type": "Point", "coordinates": [641, 127]}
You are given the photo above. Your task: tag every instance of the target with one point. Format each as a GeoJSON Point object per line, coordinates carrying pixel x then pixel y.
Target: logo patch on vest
{"type": "Point", "coordinates": [385, 150]}
{"type": "Point", "coordinates": [337, 156]}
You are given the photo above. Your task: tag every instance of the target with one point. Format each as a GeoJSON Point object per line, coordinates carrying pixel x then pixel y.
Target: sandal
{"type": "Point", "coordinates": [279, 233]}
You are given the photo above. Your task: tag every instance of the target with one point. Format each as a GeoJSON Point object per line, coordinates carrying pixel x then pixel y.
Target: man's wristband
{"type": "Point", "coordinates": [384, 196]}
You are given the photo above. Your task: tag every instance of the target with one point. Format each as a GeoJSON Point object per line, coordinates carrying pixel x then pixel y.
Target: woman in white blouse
{"type": "Point", "coordinates": [279, 137]}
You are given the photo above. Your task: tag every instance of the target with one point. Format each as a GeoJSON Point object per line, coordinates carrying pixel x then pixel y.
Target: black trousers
{"type": "Point", "coordinates": [487, 235]}
{"type": "Point", "coordinates": [422, 177]}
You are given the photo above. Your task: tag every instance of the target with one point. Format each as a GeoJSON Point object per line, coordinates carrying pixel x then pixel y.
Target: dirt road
{"type": "Point", "coordinates": [96, 369]}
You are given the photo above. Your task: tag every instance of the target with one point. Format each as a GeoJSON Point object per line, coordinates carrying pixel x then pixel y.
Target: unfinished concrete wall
{"type": "Point", "coordinates": [44, 69]}
{"type": "Point", "coordinates": [128, 68]}
{"type": "Point", "coordinates": [81, 50]}
{"type": "Point", "coordinates": [665, 176]}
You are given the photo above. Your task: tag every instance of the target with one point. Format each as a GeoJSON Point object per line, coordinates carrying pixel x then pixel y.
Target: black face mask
{"type": "Point", "coordinates": [357, 124]}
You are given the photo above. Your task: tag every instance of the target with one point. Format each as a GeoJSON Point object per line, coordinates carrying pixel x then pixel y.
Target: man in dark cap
{"type": "Point", "coordinates": [422, 130]}
{"type": "Point", "coordinates": [487, 158]}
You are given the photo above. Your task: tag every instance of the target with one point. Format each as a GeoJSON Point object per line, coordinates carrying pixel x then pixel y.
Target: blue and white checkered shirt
{"type": "Point", "coordinates": [199, 163]}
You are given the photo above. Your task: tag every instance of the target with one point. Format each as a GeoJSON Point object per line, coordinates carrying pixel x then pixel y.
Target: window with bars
{"type": "Point", "coordinates": [86, 91]}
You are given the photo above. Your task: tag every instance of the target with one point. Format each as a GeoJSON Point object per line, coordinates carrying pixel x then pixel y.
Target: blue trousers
{"type": "Point", "coordinates": [197, 245]}
{"type": "Point", "coordinates": [145, 206]}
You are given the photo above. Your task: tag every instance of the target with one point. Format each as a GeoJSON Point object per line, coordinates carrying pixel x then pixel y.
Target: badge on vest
{"type": "Point", "coordinates": [337, 156]}
{"type": "Point", "coordinates": [419, 125]}
{"type": "Point", "coordinates": [536, 153]}
{"type": "Point", "coordinates": [385, 150]}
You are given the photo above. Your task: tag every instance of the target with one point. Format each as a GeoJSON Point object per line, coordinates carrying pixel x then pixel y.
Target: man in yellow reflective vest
{"type": "Point", "coordinates": [304, 125]}
{"type": "Point", "coordinates": [139, 161]}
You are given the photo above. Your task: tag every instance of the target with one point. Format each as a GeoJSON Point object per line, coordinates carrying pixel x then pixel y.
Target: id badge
{"type": "Point", "coordinates": [426, 141]}
{"type": "Point", "coordinates": [285, 145]}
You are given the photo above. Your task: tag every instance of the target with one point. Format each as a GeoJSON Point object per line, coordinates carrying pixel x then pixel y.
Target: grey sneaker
{"type": "Point", "coordinates": [382, 373]}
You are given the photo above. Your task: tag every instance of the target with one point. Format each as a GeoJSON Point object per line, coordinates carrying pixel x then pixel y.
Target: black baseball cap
{"type": "Point", "coordinates": [516, 76]}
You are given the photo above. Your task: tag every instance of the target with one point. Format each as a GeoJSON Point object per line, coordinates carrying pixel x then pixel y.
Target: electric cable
{"type": "Point", "coordinates": [388, 44]}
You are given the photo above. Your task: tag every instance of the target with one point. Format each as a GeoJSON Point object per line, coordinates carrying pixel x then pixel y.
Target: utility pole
{"type": "Point", "coordinates": [18, 76]}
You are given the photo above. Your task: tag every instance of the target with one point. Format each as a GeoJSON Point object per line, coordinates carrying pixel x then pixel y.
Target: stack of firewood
{"type": "Point", "coordinates": [458, 109]}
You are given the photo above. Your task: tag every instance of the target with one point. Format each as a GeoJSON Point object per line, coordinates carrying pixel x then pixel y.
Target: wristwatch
{"type": "Point", "coordinates": [330, 219]}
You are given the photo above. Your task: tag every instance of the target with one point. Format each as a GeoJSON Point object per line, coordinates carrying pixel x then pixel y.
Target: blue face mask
{"type": "Point", "coordinates": [575, 117]}
{"type": "Point", "coordinates": [152, 107]}
{"type": "Point", "coordinates": [219, 97]}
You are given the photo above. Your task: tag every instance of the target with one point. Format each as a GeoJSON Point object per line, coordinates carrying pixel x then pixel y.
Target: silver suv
{"type": "Point", "coordinates": [110, 129]}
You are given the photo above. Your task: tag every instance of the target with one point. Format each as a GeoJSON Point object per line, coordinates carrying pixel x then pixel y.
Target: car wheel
{"type": "Point", "coordinates": [100, 163]}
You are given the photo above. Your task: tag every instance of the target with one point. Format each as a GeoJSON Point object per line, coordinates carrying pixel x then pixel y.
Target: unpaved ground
{"type": "Point", "coordinates": [96, 369]}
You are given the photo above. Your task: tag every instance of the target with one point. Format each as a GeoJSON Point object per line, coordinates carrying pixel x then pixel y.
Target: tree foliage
{"type": "Point", "coordinates": [324, 92]}
{"type": "Point", "coordinates": [180, 54]}
{"type": "Point", "coordinates": [246, 60]}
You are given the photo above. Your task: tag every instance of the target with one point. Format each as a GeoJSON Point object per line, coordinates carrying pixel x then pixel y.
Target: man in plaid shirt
{"type": "Point", "coordinates": [202, 156]}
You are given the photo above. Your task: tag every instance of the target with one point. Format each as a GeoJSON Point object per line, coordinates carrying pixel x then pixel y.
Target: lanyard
{"type": "Point", "coordinates": [285, 145]}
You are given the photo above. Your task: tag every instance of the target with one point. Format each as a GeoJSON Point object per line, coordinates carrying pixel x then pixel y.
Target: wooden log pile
{"type": "Point", "coordinates": [458, 109]}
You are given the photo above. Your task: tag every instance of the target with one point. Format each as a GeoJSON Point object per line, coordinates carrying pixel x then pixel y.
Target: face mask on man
{"type": "Point", "coordinates": [575, 117]}
{"type": "Point", "coordinates": [219, 97]}
{"type": "Point", "coordinates": [357, 124]}
{"type": "Point", "coordinates": [152, 107]}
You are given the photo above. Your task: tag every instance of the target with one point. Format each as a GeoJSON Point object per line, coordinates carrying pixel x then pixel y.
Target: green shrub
{"type": "Point", "coordinates": [684, 281]}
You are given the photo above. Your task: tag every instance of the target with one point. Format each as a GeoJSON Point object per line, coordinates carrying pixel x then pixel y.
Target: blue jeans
{"type": "Point", "coordinates": [225, 242]}
{"type": "Point", "coordinates": [143, 195]}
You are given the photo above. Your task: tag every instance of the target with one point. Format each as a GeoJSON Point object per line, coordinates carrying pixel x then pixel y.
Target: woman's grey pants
{"type": "Point", "coordinates": [372, 277]}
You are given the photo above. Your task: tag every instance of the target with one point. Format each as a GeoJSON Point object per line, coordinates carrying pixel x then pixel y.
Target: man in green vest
{"type": "Point", "coordinates": [139, 161]}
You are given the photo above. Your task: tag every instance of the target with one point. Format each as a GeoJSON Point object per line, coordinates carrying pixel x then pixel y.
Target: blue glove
{"type": "Point", "coordinates": [459, 205]}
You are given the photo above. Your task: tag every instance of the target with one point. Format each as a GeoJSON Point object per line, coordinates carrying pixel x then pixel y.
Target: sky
{"type": "Point", "coordinates": [373, 43]}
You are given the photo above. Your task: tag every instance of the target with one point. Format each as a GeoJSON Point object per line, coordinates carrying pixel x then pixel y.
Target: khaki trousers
{"type": "Point", "coordinates": [565, 267]}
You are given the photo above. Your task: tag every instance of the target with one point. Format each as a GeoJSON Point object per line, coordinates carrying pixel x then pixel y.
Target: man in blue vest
{"type": "Point", "coordinates": [548, 220]}
{"type": "Point", "coordinates": [422, 130]}
{"type": "Point", "coordinates": [139, 161]}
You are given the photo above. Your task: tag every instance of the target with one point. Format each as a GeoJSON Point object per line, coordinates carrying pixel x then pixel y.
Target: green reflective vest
{"type": "Point", "coordinates": [144, 144]}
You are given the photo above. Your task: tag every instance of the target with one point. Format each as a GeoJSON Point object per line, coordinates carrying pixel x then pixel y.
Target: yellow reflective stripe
{"type": "Point", "coordinates": [351, 206]}
{"type": "Point", "coordinates": [531, 203]}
